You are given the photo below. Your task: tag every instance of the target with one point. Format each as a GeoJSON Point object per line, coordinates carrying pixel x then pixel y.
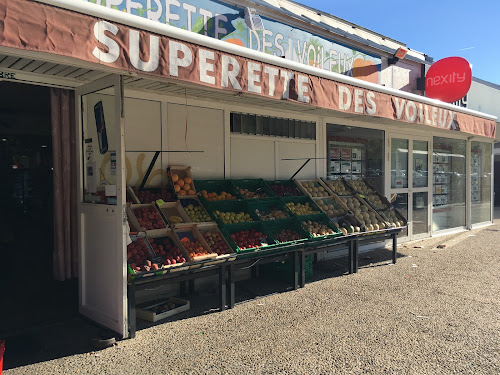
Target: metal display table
{"type": "Point", "coordinates": [225, 268]}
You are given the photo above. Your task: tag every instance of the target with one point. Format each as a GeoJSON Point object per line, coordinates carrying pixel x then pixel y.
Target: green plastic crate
{"type": "Point", "coordinates": [291, 183]}
{"type": "Point", "coordinates": [268, 205]}
{"type": "Point", "coordinates": [228, 230]}
{"type": "Point", "coordinates": [276, 226]}
{"type": "Point", "coordinates": [323, 219]}
{"type": "Point", "coordinates": [283, 271]}
{"type": "Point", "coordinates": [253, 185]}
{"type": "Point", "coordinates": [229, 206]}
{"type": "Point", "coordinates": [216, 186]}
{"type": "Point", "coordinates": [302, 200]}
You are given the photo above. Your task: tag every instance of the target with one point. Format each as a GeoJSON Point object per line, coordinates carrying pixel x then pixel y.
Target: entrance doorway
{"type": "Point", "coordinates": [30, 297]}
{"type": "Point", "coordinates": [409, 182]}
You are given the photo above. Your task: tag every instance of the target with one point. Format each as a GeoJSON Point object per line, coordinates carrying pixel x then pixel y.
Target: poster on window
{"type": "Point", "coordinates": [346, 153]}
{"type": "Point", "coordinates": [345, 167]}
{"type": "Point", "coordinates": [356, 166]}
{"type": "Point", "coordinates": [335, 152]}
{"type": "Point", "coordinates": [335, 166]}
{"type": "Point", "coordinates": [356, 154]}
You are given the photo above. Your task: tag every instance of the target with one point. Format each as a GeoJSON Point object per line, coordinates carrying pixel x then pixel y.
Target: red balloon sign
{"type": "Point", "coordinates": [448, 79]}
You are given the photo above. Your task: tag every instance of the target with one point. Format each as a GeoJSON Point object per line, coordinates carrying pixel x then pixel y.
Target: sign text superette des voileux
{"type": "Point", "coordinates": [226, 22]}
{"type": "Point", "coordinates": [246, 75]}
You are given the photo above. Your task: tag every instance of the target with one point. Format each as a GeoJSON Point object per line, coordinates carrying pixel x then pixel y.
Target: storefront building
{"type": "Point", "coordinates": [230, 102]}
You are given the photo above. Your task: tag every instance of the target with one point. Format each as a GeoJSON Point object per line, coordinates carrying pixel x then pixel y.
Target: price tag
{"type": "Point", "coordinates": [160, 202]}
{"type": "Point", "coordinates": [362, 196]}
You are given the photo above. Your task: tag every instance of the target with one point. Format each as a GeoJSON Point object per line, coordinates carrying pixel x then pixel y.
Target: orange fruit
{"type": "Point", "coordinates": [187, 187]}
{"type": "Point", "coordinates": [180, 183]}
{"type": "Point", "coordinates": [177, 188]}
{"type": "Point", "coordinates": [188, 180]}
{"type": "Point", "coordinates": [191, 192]}
{"type": "Point", "coordinates": [182, 192]}
{"type": "Point", "coordinates": [175, 177]}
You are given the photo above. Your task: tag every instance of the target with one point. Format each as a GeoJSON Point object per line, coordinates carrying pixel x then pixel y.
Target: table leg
{"type": "Point", "coordinates": [231, 287]}
{"type": "Point", "coordinates": [132, 320]}
{"type": "Point", "coordinates": [295, 270]}
{"type": "Point", "coordinates": [351, 256]}
{"type": "Point", "coordinates": [302, 269]}
{"type": "Point", "coordinates": [222, 287]}
{"type": "Point", "coordinates": [394, 247]}
{"type": "Point", "coordinates": [355, 254]}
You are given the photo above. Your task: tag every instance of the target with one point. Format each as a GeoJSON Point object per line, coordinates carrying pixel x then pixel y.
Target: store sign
{"type": "Point", "coordinates": [226, 22]}
{"type": "Point", "coordinates": [448, 79]}
{"type": "Point", "coordinates": [66, 33]}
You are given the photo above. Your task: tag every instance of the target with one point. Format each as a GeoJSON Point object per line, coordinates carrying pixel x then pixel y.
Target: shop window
{"type": "Point", "coordinates": [449, 182]}
{"type": "Point", "coordinates": [480, 182]}
{"type": "Point", "coordinates": [355, 153]}
{"type": "Point", "coordinates": [272, 126]}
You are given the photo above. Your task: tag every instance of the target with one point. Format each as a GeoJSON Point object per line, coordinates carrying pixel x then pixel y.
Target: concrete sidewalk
{"type": "Point", "coordinates": [437, 311]}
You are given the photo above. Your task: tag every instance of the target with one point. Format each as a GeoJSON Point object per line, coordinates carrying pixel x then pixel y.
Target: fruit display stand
{"type": "Point", "coordinates": [139, 222]}
{"type": "Point", "coordinates": [166, 245]}
{"type": "Point", "coordinates": [319, 226]}
{"type": "Point", "coordinates": [231, 212]}
{"type": "Point", "coordinates": [216, 190]}
{"type": "Point", "coordinates": [269, 209]}
{"type": "Point", "coordinates": [139, 257]}
{"type": "Point", "coordinates": [313, 188]}
{"type": "Point", "coordinates": [240, 245]}
{"type": "Point", "coordinates": [195, 246]}
{"type": "Point", "coordinates": [173, 213]}
{"type": "Point", "coordinates": [181, 181]}
{"type": "Point", "coordinates": [252, 189]}
{"type": "Point", "coordinates": [288, 231]}
{"type": "Point", "coordinates": [196, 211]}
{"type": "Point", "coordinates": [284, 188]}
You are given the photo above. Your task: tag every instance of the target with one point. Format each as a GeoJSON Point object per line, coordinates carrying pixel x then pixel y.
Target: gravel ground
{"type": "Point", "coordinates": [437, 311]}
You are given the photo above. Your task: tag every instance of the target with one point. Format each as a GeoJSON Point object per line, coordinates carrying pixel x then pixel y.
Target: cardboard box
{"type": "Point", "coordinates": [159, 310]}
{"type": "Point", "coordinates": [182, 172]}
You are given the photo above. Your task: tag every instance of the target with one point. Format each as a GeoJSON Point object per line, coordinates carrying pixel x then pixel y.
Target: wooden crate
{"type": "Point", "coordinates": [193, 234]}
{"type": "Point", "coordinates": [146, 311]}
{"type": "Point", "coordinates": [182, 172]}
{"type": "Point", "coordinates": [161, 233]}
{"type": "Point", "coordinates": [202, 228]}
{"type": "Point", "coordinates": [169, 209]}
{"type": "Point", "coordinates": [316, 184]}
{"type": "Point", "coordinates": [134, 223]}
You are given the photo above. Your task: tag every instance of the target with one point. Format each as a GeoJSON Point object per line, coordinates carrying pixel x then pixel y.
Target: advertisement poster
{"type": "Point", "coordinates": [356, 154]}
{"type": "Point", "coordinates": [335, 152]}
{"type": "Point", "coordinates": [335, 166]}
{"type": "Point", "coordinates": [356, 166]}
{"type": "Point", "coordinates": [346, 153]}
{"type": "Point", "coordinates": [345, 167]}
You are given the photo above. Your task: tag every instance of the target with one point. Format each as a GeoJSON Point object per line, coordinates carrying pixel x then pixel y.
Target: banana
{"type": "Point", "coordinates": [175, 219]}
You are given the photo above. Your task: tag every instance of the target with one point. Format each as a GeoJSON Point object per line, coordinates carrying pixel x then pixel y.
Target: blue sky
{"type": "Point", "coordinates": [438, 28]}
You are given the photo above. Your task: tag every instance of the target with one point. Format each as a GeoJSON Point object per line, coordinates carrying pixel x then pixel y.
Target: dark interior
{"type": "Point", "coordinates": [29, 295]}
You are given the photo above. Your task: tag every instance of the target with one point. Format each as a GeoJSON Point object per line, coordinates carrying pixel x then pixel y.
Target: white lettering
{"type": "Point", "coordinates": [358, 101]}
{"type": "Point", "coordinates": [169, 16]}
{"type": "Point", "coordinates": [277, 42]}
{"type": "Point", "coordinates": [253, 77]}
{"type": "Point", "coordinates": [420, 113]}
{"type": "Point", "coordinates": [288, 76]}
{"type": "Point", "coordinates": [334, 61]}
{"type": "Point", "coordinates": [442, 117]}
{"type": "Point", "coordinates": [302, 84]}
{"type": "Point", "coordinates": [219, 30]}
{"type": "Point", "coordinates": [265, 43]}
{"type": "Point", "coordinates": [190, 10]}
{"type": "Point", "coordinates": [152, 14]}
{"type": "Point", "coordinates": [434, 116]}
{"type": "Point", "coordinates": [154, 52]}
{"type": "Point", "coordinates": [252, 33]}
{"type": "Point", "coordinates": [311, 61]}
{"type": "Point", "coordinates": [299, 54]}
{"type": "Point", "coordinates": [371, 107]}
{"type": "Point", "coordinates": [111, 3]}
{"type": "Point", "coordinates": [230, 75]}
{"type": "Point", "coordinates": [348, 63]}
{"type": "Point", "coordinates": [206, 15]}
{"type": "Point", "coordinates": [130, 4]}
{"type": "Point", "coordinates": [272, 73]}
{"type": "Point", "coordinates": [413, 107]}
{"type": "Point", "coordinates": [113, 49]}
{"type": "Point", "coordinates": [344, 98]}
{"type": "Point", "coordinates": [173, 57]}
{"type": "Point", "coordinates": [399, 107]}
{"type": "Point", "coordinates": [427, 118]}
{"type": "Point", "coordinates": [206, 67]}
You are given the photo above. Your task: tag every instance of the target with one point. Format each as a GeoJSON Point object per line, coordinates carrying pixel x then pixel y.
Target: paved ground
{"type": "Point", "coordinates": [437, 311]}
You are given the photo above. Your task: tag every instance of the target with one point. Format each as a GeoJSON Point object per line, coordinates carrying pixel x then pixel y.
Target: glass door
{"type": "Point", "coordinates": [408, 182]}
{"type": "Point", "coordinates": [101, 207]}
